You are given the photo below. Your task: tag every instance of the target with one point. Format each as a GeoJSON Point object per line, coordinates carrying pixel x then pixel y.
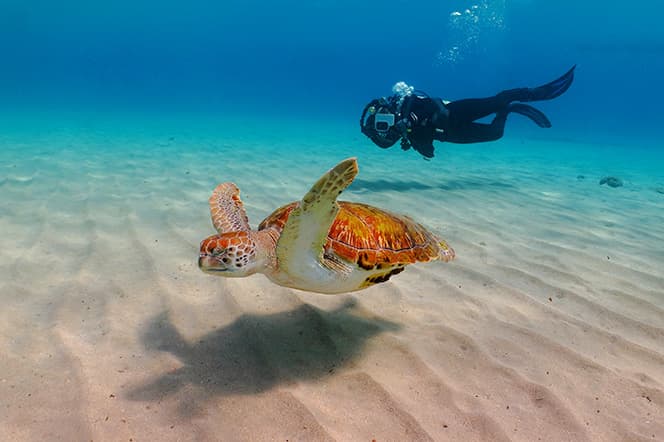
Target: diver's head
{"type": "Point", "coordinates": [402, 89]}
{"type": "Point", "coordinates": [378, 121]}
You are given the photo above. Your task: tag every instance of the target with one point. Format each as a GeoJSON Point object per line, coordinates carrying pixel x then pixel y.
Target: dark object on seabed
{"type": "Point", "coordinates": [611, 181]}
{"type": "Point", "coordinates": [660, 190]}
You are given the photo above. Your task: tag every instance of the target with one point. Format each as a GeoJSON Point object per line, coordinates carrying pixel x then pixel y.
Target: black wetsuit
{"type": "Point", "coordinates": [426, 119]}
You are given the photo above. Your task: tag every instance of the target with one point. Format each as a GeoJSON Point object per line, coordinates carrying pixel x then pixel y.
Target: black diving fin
{"type": "Point", "coordinates": [528, 111]}
{"type": "Point", "coordinates": [553, 89]}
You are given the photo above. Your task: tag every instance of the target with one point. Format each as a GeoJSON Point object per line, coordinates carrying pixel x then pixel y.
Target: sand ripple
{"type": "Point", "coordinates": [548, 326]}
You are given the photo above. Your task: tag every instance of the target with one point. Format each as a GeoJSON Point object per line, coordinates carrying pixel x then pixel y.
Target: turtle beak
{"type": "Point", "coordinates": [209, 265]}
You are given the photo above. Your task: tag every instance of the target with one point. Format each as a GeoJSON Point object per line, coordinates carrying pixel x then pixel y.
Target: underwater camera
{"type": "Point", "coordinates": [383, 122]}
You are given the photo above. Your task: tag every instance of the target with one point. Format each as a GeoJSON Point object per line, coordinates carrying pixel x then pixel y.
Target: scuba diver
{"type": "Point", "coordinates": [417, 119]}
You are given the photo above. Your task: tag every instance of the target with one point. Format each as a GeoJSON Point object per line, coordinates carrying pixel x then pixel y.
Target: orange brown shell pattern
{"type": "Point", "coordinates": [371, 237]}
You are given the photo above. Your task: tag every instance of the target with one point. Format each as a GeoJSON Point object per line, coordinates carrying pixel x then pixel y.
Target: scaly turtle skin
{"type": "Point", "coordinates": [317, 244]}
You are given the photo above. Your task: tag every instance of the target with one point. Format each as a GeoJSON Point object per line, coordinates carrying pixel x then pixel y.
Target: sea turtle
{"type": "Point", "coordinates": [318, 244]}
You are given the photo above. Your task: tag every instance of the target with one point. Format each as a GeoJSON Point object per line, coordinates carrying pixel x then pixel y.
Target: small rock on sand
{"type": "Point", "coordinates": [611, 181]}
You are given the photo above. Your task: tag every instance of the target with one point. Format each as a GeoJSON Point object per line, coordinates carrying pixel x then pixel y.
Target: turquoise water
{"type": "Point", "coordinates": [161, 168]}
{"type": "Point", "coordinates": [81, 158]}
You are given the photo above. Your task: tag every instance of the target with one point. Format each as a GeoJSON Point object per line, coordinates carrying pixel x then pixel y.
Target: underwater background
{"type": "Point", "coordinates": [325, 59]}
{"type": "Point", "coordinates": [118, 119]}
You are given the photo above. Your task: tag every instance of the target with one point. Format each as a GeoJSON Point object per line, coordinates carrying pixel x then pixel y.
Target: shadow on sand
{"type": "Point", "coordinates": [256, 353]}
{"type": "Point", "coordinates": [361, 185]}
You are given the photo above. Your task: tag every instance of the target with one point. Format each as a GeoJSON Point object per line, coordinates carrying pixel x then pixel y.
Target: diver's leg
{"type": "Point", "coordinates": [477, 132]}
{"type": "Point", "coordinates": [465, 111]}
{"type": "Point", "coordinates": [462, 112]}
{"type": "Point", "coordinates": [471, 109]}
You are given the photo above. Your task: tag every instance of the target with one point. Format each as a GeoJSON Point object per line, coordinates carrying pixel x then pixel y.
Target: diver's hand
{"type": "Point", "coordinates": [402, 126]}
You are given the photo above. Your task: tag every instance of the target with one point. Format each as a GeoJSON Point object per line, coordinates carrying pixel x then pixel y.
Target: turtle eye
{"type": "Point", "coordinates": [217, 251]}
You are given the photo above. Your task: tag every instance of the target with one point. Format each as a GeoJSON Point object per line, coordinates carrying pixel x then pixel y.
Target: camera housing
{"type": "Point", "coordinates": [383, 122]}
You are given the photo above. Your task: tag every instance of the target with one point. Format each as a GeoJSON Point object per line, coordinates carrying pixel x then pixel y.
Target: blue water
{"type": "Point", "coordinates": [292, 74]}
{"type": "Point", "coordinates": [326, 59]}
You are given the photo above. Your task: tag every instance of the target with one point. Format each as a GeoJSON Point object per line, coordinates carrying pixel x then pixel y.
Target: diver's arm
{"type": "Point", "coordinates": [418, 123]}
{"type": "Point", "coordinates": [421, 139]}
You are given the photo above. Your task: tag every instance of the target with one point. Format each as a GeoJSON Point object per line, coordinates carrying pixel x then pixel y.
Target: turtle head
{"type": "Point", "coordinates": [231, 254]}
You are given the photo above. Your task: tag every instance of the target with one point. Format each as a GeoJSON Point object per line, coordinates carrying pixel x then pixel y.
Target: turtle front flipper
{"type": "Point", "coordinates": [227, 210]}
{"type": "Point", "coordinates": [300, 247]}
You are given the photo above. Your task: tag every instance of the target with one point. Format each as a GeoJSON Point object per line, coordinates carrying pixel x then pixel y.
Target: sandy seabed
{"type": "Point", "coordinates": [548, 326]}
